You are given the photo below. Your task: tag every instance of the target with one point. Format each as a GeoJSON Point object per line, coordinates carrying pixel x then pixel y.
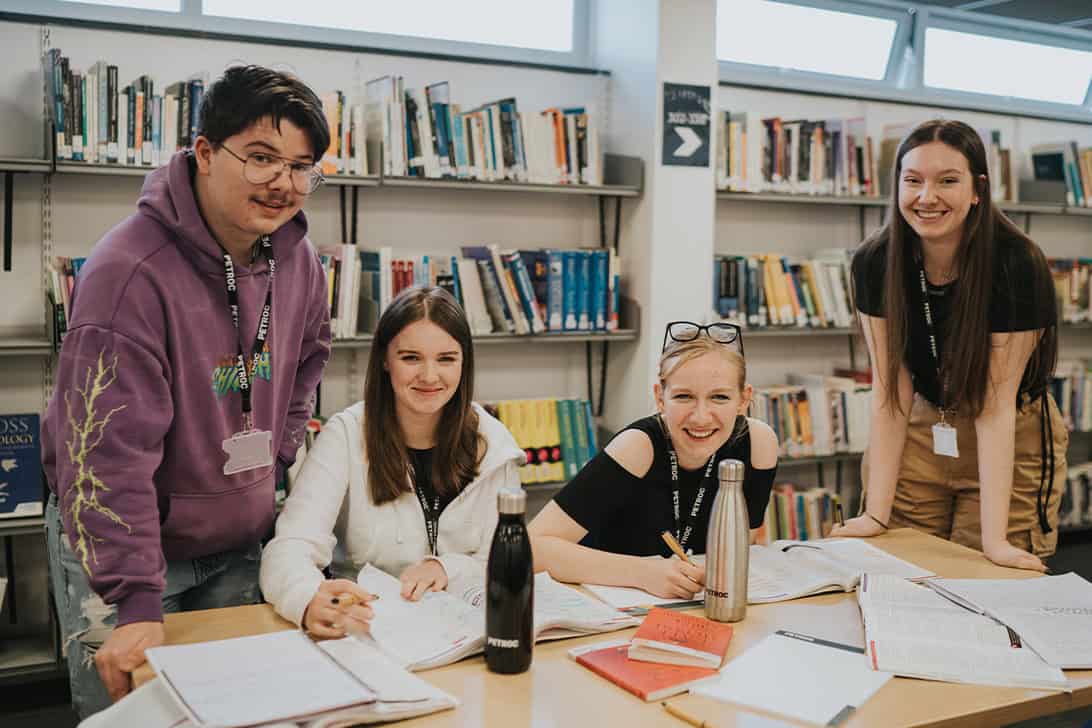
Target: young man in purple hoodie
{"type": "Point", "coordinates": [199, 332]}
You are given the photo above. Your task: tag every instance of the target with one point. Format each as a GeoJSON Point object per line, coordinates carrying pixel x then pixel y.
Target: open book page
{"type": "Point", "coordinates": [792, 569]}
{"type": "Point", "coordinates": [626, 597]}
{"type": "Point", "coordinates": [558, 606]}
{"type": "Point", "coordinates": [1052, 614]}
{"type": "Point", "coordinates": [911, 630]}
{"type": "Point", "coordinates": [259, 679]}
{"type": "Point", "coordinates": [399, 694]}
{"type": "Point", "coordinates": [149, 706]}
{"type": "Point", "coordinates": [441, 628]}
{"type": "Point", "coordinates": [435, 630]}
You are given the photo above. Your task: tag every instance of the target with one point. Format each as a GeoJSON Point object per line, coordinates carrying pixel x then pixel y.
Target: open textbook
{"type": "Point", "coordinates": [281, 677]}
{"type": "Point", "coordinates": [913, 631]}
{"type": "Point", "coordinates": [790, 570]}
{"type": "Point", "coordinates": [1052, 614]}
{"type": "Point", "coordinates": [443, 627]}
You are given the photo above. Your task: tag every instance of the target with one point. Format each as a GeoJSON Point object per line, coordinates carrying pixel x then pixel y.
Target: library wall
{"type": "Point", "coordinates": [84, 207]}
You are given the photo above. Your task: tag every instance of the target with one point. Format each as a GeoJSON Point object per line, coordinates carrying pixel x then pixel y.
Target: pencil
{"type": "Point", "coordinates": [675, 547]}
{"type": "Point", "coordinates": [684, 716]}
{"type": "Point", "coordinates": [348, 599]}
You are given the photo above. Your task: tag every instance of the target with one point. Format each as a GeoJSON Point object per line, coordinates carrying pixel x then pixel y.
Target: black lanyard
{"type": "Point", "coordinates": [432, 517]}
{"type": "Point", "coordinates": [943, 384]}
{"type": "Point", "coordinates": [264, 322]}
{"type": "Point", "coordinates": [680, 535]}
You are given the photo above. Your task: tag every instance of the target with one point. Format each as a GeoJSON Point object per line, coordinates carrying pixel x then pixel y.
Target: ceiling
{"type": "Point", "coordinates": [1066, 13]}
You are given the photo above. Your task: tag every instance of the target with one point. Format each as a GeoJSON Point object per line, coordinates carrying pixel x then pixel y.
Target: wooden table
{"type": "Point", "coordinates": [558, 692]}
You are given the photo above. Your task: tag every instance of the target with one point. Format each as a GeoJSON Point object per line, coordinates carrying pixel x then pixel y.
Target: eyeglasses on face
{"type": "Point", "coordinates": [720, 332]}
{"type": "Point", "coordinates": [261, 168]}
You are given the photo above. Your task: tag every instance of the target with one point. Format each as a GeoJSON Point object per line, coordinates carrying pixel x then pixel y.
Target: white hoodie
{"type": "Point", "coordinates": [331, 506]}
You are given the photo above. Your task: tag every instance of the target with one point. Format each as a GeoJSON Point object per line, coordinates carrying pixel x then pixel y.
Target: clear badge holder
{"type": "Point", "coordinates": [248, 450]}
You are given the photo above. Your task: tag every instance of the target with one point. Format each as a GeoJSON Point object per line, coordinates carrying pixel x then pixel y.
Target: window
{"type": "Point", "coordinates": [518, 23]}
{"type": "Point", "coordinates": [1002, 67]}
{"type": "Point", "coordinates": [765, 33]}
{"type": "Point", "coordinates": [170, 6]}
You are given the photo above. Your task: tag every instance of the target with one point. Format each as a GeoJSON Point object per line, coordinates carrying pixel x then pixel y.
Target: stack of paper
{"type": "Point", "coordinates": [1052, 614]}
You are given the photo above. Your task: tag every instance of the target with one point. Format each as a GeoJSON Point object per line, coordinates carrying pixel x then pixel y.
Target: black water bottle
{"type": "Point", "coordinates": [510, 589]}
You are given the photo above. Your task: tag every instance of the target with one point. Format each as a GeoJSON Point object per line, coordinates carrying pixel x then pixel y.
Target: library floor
{"type": "Point", "coordinates": [45, 704]}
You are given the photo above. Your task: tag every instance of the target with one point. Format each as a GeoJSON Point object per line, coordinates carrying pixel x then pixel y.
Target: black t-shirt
{"type": "Point", "coordinates": [421, 460]}
{"type": "Point", "coordinates": [1021, 300]}
{"type": "Point", "coordinates": [625, 514]}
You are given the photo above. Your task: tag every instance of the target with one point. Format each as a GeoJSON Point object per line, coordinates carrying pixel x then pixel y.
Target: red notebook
{"type": "Point", "coordinates": [680, 639]}
{"type": "Point", "coordinates": [647, 680]}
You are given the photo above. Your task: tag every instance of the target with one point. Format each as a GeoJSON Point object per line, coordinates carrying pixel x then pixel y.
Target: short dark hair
{"type": "Point", "coordinates": [247, 94]}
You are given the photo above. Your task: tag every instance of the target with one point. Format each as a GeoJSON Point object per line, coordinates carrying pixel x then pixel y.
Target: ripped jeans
{"type": "Point", "coordinates": [226, 579]}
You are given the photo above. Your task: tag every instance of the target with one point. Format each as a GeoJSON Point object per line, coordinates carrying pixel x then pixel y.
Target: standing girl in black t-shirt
{"type": "Point", "coordinates": [659, 474]}
{"type": "Point", "coordinates": [958, 309]}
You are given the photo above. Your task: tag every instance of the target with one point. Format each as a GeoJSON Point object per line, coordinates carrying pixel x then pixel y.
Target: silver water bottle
{"type": "Point", "coordinates": [727, 548]}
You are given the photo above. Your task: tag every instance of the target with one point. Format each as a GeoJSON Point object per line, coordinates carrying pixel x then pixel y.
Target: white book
{"type": "Point", "coordinates": [443, 627]}
{"type": "Point", "coordinates": [913, 631]}
{"type": "Point", "coordinates": [473, 297]}
{"type": "Point", "coordinates": [1051, 614]}
{"type": "Point", "coordinates": [274, 677]}
{"type": "Point", "coordinates": [799, 676]}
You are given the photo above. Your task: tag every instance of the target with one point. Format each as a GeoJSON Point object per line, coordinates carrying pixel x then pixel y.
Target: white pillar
{"type": "Point", "coordinates": [667, 235]}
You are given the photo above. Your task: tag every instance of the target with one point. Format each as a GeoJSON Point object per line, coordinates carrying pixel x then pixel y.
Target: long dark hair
{"type": "Point", "coordinates": [965, 357]}
{"type": "Point", "coordinates": [459, 447]}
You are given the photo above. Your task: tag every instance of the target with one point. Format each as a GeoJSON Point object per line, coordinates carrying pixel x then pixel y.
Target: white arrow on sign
{"type": "Point", "coordinates": [690, 141]}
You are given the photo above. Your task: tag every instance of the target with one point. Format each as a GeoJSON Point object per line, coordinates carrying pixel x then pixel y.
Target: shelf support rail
{"type": "Point", "coordinates": [598, 406]}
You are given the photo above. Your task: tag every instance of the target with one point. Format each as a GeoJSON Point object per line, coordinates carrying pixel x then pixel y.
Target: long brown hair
{"type": "Point", "coordinates": [459, 447]}
{"type": "Point", "coordinates": [966, 356]}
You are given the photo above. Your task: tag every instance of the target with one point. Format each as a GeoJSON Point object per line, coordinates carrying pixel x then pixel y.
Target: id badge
{"type": "Point", "coordinates": [247, 451]}
{"type": "Point", "coordinates": [944, 440]}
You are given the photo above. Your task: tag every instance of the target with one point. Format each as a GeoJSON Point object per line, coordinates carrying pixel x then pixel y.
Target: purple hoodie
{"type": "Point", "coordinates": [146, 392]}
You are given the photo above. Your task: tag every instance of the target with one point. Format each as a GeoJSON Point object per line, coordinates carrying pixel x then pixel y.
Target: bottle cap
{"type": "Point", "coordinates": [511, 501]}
{"type": "Point", "coordinates": [730, 470]}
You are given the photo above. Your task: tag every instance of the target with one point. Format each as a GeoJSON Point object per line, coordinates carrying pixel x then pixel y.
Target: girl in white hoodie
{"type": "Point", "coordinates": [411, 488]}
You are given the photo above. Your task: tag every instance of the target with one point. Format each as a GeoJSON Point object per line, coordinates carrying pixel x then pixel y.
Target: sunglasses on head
{"type": "Point", "coordinates": [720, 332]}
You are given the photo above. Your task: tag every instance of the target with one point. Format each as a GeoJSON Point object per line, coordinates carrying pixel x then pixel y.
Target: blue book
{"type": "Point", "coordinates": [593, 444]}
{"type": "Point", "coordinates": [600, 269]}
{"type": "Point", "coordinates": [456, 284]}
{"type": "Point", "coordinates": [570, 259]}
{"type": "Point", "coordinates": [20, 466]}
{"type": "Point", "coordinates": [583, 290]}
{"type": "Point", "coordinates": [528, 301]}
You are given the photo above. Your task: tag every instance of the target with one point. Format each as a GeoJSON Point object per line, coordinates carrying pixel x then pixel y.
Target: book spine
{"type": "Point", "coordinates": [555, 298]}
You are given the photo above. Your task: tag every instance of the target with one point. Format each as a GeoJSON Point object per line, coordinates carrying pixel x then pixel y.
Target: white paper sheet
{"type": "Point", "coordinates": [249, 680]}
{"type": "Point", "coordinates": [149, 706]}
{"type": "Point", "coordinates": [825, 681]}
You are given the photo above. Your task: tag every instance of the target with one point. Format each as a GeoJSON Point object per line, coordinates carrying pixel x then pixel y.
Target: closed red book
{"type": "Point", "coordinates": [680, 639]}
{"type": "Point", "coordinates": [647, 680]}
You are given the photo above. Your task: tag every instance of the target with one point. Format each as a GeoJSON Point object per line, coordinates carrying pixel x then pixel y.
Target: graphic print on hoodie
{"type": "Point", "coordinates": [131, 440]}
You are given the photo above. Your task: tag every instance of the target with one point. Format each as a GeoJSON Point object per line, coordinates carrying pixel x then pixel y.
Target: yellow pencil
{"type": "Point", "coordinates": [684, 716]}
{"type": "Point", "coordinates": [675, 547]}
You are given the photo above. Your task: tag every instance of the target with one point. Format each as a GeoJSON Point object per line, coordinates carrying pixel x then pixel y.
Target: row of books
{"type": "Point", "coordinates": [96, 119]}
{"type": "Point", "coordinates": [798, 514]}
{"type": "Point", "coordinates": [816, 414]}
{"type": "Point", "coordinates": [558, 435]}
{"type": "Point", "coordinates": [1068, 164]}
{"type": "Point", "coordinates": [774, 290]}
{"type": "Point", "coordinates": [61, 277]}
{"type": "Point", "coordinates": [423, 133]}
{"type": "Point", "coordinates": [834, 156]}
{"type": "Point", "coordinates": [511, 291]}
{"type": "Point", "coordinates": [1076, 508]}
{"type": "Point", "coordinates": [1072, 288]}
{"type": "Point", "coordinates": [1072, 390]}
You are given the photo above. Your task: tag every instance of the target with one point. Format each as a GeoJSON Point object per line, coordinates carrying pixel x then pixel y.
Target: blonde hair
{"type": "Point", "coordinates": [678, 353]}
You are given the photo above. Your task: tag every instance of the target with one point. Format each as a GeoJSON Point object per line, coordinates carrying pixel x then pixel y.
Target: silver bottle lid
{"type": "Point", "coordinates": [511, 501]}
{"type": "Point", "coordinates": [730, 471]}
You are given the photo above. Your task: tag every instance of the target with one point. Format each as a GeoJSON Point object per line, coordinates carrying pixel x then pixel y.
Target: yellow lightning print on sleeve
{"type": "Point", "coordinates": [86, 436]}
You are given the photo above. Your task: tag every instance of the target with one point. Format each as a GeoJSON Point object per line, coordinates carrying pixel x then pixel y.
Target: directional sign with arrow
{"type": "Point", "coordinates": [686, 125]}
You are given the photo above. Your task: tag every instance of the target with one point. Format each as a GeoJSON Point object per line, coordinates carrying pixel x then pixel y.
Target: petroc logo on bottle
{"type": "Point", "coordinates": [505, 644]}
{"type": "Point", "coordinates": [715, 593]}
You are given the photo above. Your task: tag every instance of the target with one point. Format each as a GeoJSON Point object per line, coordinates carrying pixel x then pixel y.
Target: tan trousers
{"type": "Point", "coordinates": [940, 495]}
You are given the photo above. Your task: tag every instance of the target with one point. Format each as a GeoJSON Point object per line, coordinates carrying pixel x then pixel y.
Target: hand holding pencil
{"type": "Point", "coordinates": [339, 608]}
{"type": "Point", "coordinates": [677, 578]}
